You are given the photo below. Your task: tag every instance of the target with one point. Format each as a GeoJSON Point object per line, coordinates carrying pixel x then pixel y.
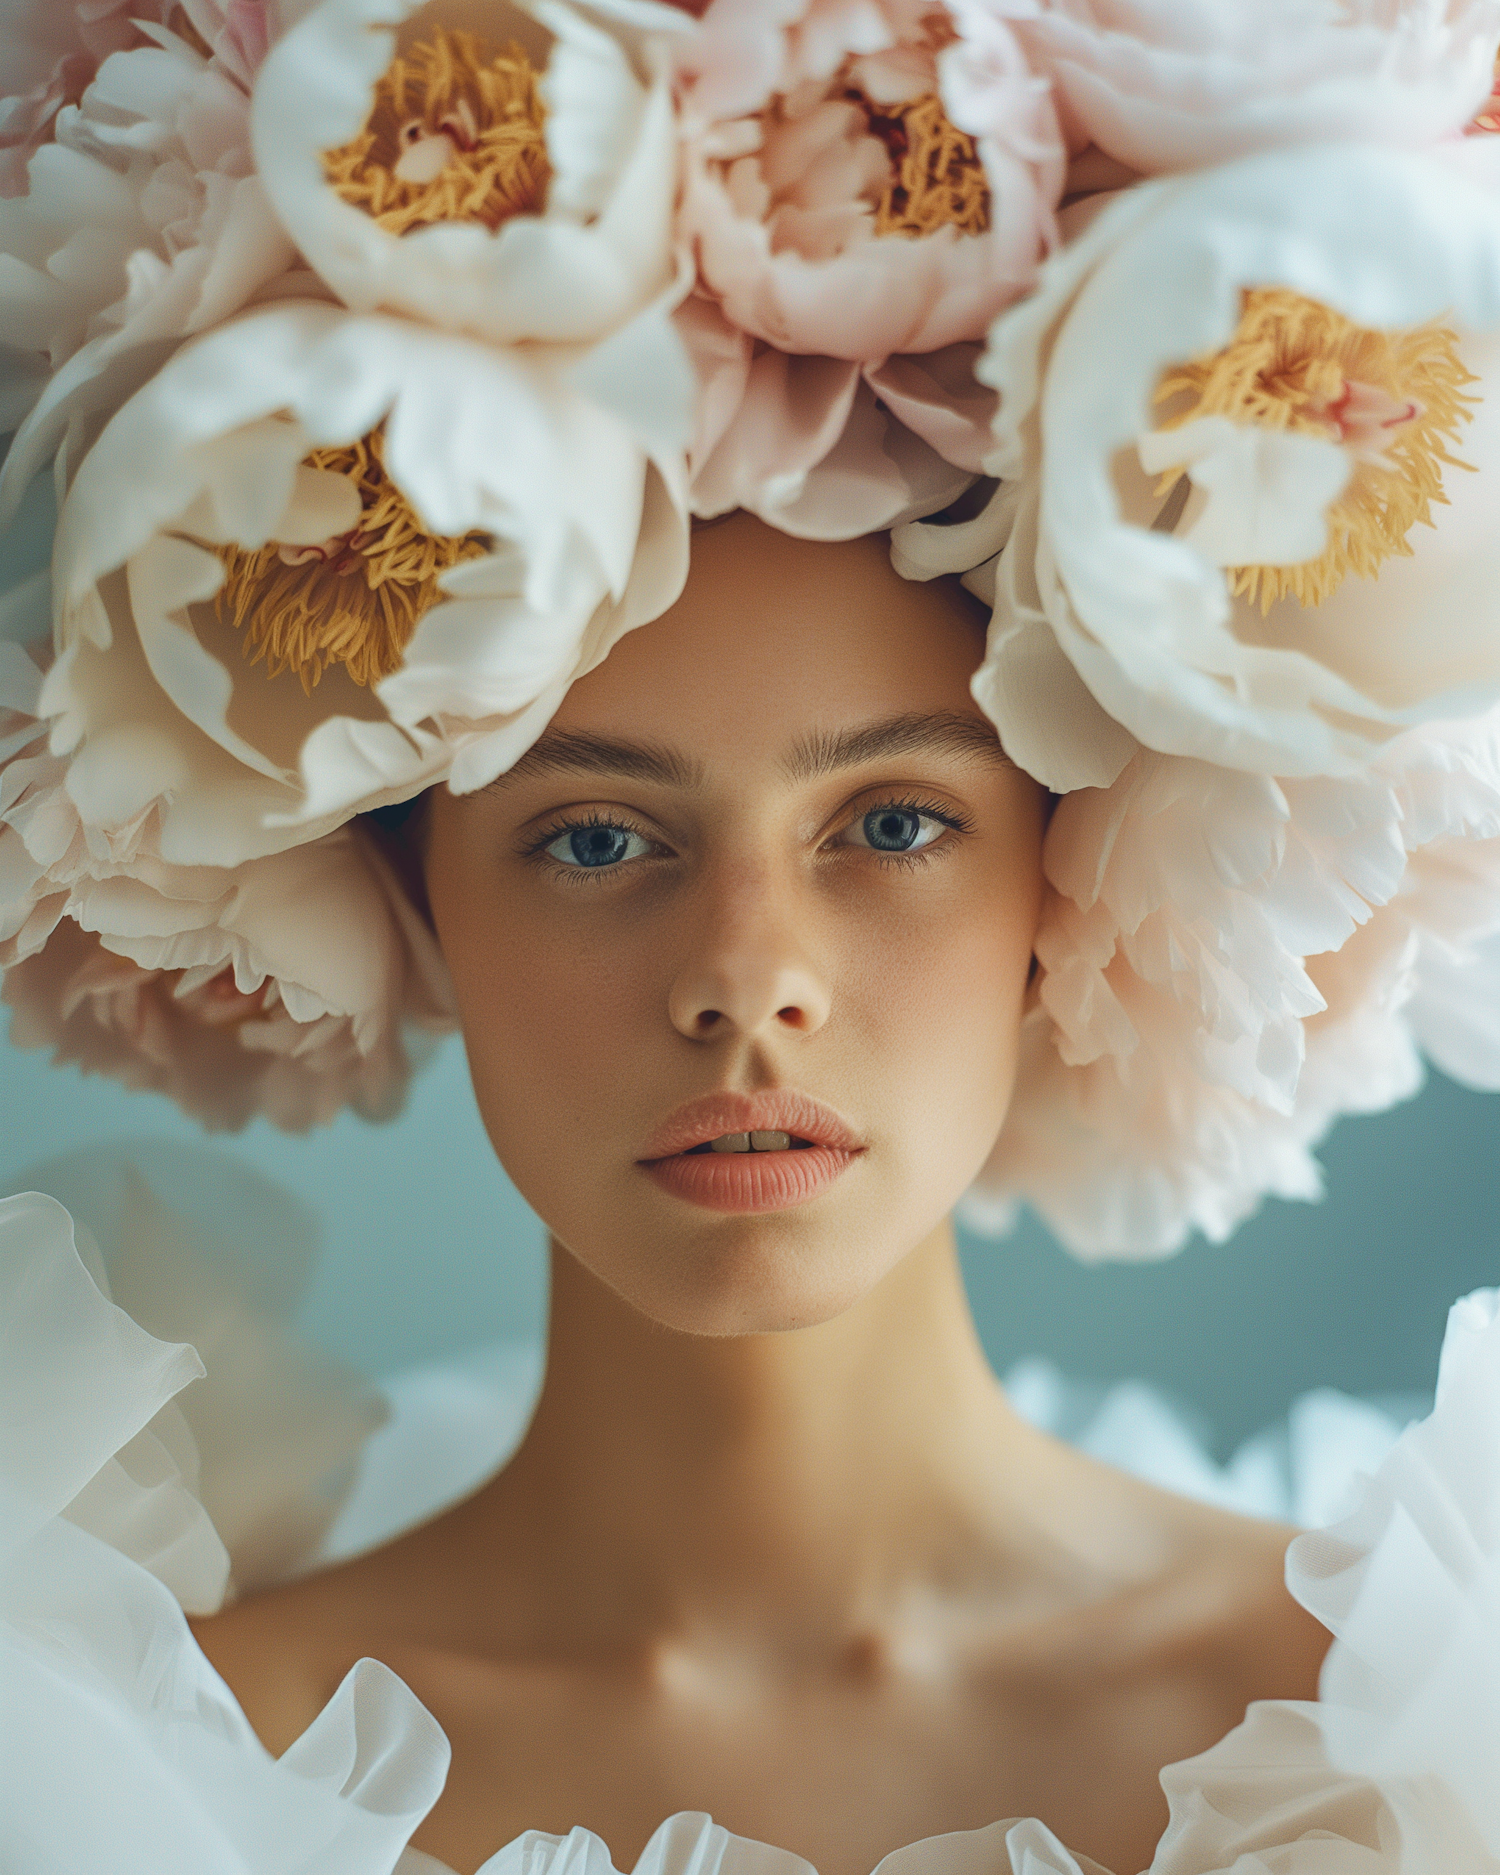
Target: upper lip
{"type": "Point", "coordinates": [780, 1110]}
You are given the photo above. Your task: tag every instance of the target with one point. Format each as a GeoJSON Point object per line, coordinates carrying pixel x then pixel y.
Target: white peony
{"type": "Point", "coordinates": [1236, 398]}
{"type": "Point", "coordinates": [517, 185]}
{"type": "Point", "coordinates": [286, 986]}
{"type": "Point", "coordinates": [368, 556]}
{"type": "Point", "coordinates": [137, 221]}
{"type": "Point", "coordinates": [1230, 962]}
{"type": "Point", "coordinates": [1178, 84]}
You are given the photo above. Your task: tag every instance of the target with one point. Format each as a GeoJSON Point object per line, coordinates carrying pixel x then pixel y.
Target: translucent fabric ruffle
{"type": "Point", "coordinates": [104, 1540]}
{"type": "Point", "coordinates": [131, 1753]}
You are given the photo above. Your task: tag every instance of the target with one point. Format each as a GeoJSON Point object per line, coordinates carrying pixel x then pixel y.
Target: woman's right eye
{"type": "Point", "coordinates": [596, 846]}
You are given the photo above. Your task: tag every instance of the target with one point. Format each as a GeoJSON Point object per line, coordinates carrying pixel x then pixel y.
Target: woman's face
{"type": "Point", "coordinates": [767, 880]}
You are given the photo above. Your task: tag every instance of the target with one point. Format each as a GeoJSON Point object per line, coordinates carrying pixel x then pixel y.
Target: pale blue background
{"type": "Point", "coordinates": [428, 1247]}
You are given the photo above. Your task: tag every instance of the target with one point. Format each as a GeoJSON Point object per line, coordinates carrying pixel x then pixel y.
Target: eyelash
{"type": "Point", "coordinates": [536, 847]}
{"type": "Point", "coordinates": [928, 810]}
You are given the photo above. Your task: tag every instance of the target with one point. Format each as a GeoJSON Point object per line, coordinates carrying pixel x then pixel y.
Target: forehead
{"type": "Point", "coordinates": [774, 638]}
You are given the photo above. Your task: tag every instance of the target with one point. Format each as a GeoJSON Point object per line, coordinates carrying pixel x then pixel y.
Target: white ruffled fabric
{"type": "Point", "coordinates": [103, 1542]}
{"type": "Point", "coordinates": [104, 1539]}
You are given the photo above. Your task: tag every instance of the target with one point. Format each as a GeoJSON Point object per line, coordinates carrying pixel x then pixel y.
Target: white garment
{"type": "Point", "coordinates": [123, 1752]}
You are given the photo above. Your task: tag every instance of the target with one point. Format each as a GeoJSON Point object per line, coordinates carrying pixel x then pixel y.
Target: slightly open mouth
{"type": "Point", "coordinates": [752, 1142]}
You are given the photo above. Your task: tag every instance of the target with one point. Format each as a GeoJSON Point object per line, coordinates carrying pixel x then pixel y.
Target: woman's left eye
{"type": "Point", "coordinates": [597, 846]}
{"type": "Point", "coordinates": [895, 829]}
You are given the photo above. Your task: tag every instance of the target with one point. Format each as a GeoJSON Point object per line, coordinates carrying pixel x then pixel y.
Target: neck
{"type": "Point", "coordinates": [816, 1475]}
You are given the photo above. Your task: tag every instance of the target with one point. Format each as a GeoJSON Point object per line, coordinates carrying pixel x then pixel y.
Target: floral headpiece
{"type": "Point", "coordinates": [382, 354]}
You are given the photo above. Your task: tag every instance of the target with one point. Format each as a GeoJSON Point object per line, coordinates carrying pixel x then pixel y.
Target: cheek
{"type": "Point", "coordinates": [551, 1020]}
{"type": "Point", "coordinates": [941, 1000]}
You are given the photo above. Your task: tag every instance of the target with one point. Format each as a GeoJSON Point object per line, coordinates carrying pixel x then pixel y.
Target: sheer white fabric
{"type": "Point", "coordinates": [126, 1753]}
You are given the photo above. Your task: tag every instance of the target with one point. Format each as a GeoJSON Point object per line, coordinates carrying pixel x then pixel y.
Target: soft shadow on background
{"type": "Point", "coordinates": [428, 1248]}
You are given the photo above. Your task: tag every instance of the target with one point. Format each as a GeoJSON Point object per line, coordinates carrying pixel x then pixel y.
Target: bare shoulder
{"type": "Point", "coordinates": [1232, 1618]}
{"type": "Point", "coordinates": [1187, 1616]}
{"type": "Point", "coordinates": [1278, 1646]}
{"type": "Point", "coordinates": [284, 1650]}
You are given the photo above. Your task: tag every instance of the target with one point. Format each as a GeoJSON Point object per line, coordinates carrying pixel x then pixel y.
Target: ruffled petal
{"type": "Point", "coordinates": [1228, 964]}
{"type": "Point", "coordinates": [1151, 590]}
{"type": "Point", "coordinates": [1170, 87]}
{"type": "Point", "coordinates": [139, 220]}
{"type": "Point", "coordinates": [202, 680]}
{"type": "Point", "coordinates": [290, 985]}
{"type": "Point", "coordinates": [580, 254]}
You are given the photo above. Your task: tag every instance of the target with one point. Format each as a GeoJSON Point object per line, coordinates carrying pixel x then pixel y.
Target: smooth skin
{"type": "Point", "coordinates": [775, 1546]}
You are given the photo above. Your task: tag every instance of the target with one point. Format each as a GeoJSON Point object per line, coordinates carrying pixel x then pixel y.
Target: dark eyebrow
{"type": "Point", "coordinates": [941, 732]}
{"type": "Point", "coordinates": [569, 751]}
{"type": "Point", "coordinates": [937, 732]}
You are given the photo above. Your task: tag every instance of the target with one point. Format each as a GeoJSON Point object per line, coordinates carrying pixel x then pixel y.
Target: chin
{"type": "Point", "coordinates": [748, 1276]}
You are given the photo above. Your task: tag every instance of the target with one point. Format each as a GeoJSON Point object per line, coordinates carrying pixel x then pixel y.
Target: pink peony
{"type": "Point", "coordinates": [1229, 963]}
{"type": "Point", "coordinates": [283, 986]}
{"type": "Point", "coordinates": [846, 173]}
{"type": "Point", "coordinates": [50, 53]}
{"type": "Point", "coordinates": [824, 448]}
{"type": "Point", "coordinates": [135, 217]}
{"type": "Point", "coordinates": [863, 180]}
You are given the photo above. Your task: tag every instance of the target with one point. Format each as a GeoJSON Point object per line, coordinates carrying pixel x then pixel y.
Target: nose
{"type": "Point", "coordinates": [747, 971]}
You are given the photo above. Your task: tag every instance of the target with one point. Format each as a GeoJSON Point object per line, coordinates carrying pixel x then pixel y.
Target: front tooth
{"type": "Point", "coordinates": [730, 1142]}
{"type": "Point", "coordinates": [771, 1142]}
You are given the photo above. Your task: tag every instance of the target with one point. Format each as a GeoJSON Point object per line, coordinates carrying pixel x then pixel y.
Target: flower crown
{"type": "Point", "coordinates": [382, 354]}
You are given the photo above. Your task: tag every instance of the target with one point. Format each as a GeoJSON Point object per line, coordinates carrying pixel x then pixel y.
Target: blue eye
{"type": "Point", "coordinates": [896, 829]}
{"type": "Point", "coordinates": [596, 846]}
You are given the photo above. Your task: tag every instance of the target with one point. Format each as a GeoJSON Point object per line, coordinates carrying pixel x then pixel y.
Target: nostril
{"type": "Point", "coordinates": [793, 1017]}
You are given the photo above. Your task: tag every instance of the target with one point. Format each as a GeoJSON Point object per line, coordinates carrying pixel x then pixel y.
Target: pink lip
{"type": "Point", "coordinates": [780, 1110]}
{"type": "Point", "coordinates": [750, 1181]}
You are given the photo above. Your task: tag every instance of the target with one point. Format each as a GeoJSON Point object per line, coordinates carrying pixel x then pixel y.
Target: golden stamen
{"type": "Point", "coordinates": [454, 134]}
{"type": "Point", "coordinates": [1296, 365]}
{"type": "Point", "coordinates": [937, 180]}
{"type": "Point", "coordinates": [355, 600]}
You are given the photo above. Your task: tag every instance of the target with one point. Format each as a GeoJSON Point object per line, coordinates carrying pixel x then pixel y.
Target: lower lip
{"type": "Point", "coordinates": [750, 1181]}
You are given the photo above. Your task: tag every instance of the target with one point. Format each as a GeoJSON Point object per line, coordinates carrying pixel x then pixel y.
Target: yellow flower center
{"type": "Point", "coordinates": [354, 600]}
{"type": "Point", "coordinates": [936, 179]}
{"type": "Point", "coordinates": [1395, 400]}
{"type": "Point", "coordinates": [455, 134]}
